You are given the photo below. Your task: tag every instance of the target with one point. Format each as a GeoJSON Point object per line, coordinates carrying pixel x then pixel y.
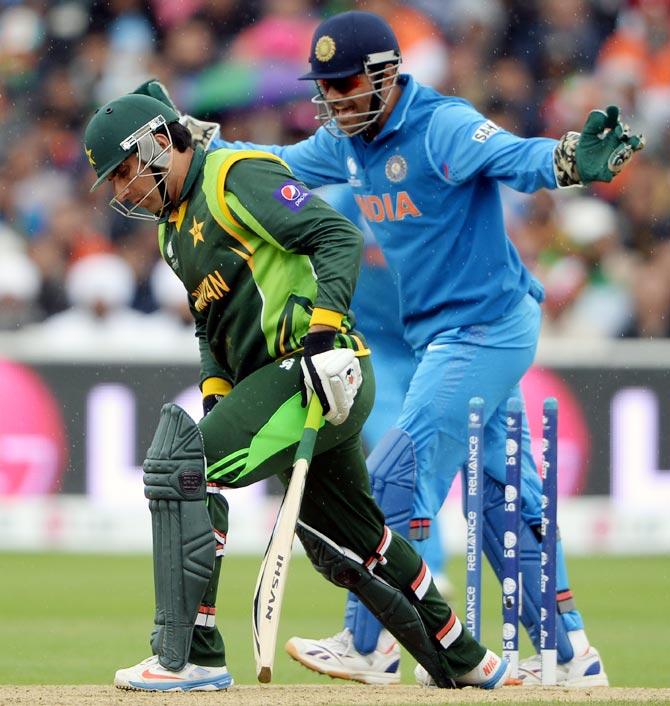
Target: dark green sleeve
{"type": "Point", "coordinates": [209, 368]}
{"type": "Point", "coordinates": [307, 226]}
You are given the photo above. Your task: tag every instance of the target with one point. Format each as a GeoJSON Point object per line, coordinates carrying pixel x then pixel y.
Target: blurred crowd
{"type": "Point", "coordinates": [70, 264]}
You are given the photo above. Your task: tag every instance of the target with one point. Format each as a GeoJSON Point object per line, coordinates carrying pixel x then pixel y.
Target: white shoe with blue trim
{"type": "Point", "coordinates": [150, 675]}
{"type": "Point", "coordinates": [338, 658]}
{"type": "Point", "coordinates": [580, 672]}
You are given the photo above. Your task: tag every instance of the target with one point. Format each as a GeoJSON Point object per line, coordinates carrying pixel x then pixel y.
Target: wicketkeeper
{"type": "Point", "coordinates": [269, 270]}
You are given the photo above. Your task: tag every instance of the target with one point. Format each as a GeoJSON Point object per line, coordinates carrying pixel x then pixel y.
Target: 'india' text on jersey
{"type": "Point", "coordinates": [428, 187]}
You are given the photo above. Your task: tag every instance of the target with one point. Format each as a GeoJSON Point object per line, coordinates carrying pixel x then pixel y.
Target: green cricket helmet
{"type": "Point", "coordinates": [126, 126]}
{"type": "Point", "coordinates": [120, 128]}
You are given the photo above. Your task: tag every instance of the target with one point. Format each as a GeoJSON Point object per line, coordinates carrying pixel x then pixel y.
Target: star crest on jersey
{"type": "Point", "coordinates": [325, 48]}
{"type": "Point", "coordinates": [196, 232]}
{"type": "Point", "coordinates": [396, 168]}
{"type": "Point", "coordinates": [89, 155]}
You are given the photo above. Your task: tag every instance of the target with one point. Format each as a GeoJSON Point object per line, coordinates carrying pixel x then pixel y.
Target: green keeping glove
{"type": "Point", "coordinates": [202, 132]}
{"type": "Point", "coordinates": [605, 146]}
{"type": "Point", "coordinates": [155, 89]}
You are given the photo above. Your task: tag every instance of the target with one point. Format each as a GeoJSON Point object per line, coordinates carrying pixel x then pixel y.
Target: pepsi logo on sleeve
{"type": "Point", "coordinates": [292, 195]}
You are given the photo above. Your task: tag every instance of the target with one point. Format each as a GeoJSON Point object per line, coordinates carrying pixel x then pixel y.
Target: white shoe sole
{"type": "Point", "coordinates": [217, 685]}
{"type": "Point", "coordinates": [372, 678]}
{"type": "Point", "coordinates": [587, 682]}
{"type": "Point", "coordinates": [204, 687]}
{"type": "Point", "coordinates": [581, 683]}
{"type": "Point", "coordinates": [130, 686]}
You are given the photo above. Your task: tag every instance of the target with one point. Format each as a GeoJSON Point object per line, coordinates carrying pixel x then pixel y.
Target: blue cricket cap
{"type": "Point", "coordinates": [344, 43]}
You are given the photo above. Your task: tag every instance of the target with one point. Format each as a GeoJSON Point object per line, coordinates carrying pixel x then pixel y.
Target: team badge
{"type": "Point", "coordinates": [89, 154]}
{"type": "Point", "coordinates": [292, 195]}
{"type": "Point", "coordinates": [325, 48]}
{"type": "Point", "coordinates": [396, 168]}
{"type": "Point", "coordinates": [352, 168]}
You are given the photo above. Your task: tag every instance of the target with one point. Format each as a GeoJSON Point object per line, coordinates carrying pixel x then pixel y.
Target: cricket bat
{"type": "Point", "coordinates": [273, 573]}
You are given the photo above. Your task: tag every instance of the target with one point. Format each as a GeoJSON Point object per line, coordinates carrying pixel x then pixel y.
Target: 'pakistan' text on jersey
{"type": "Point", "coordinates": [248, 241]}
{"type": "Point", "coordinates": [428, 187]}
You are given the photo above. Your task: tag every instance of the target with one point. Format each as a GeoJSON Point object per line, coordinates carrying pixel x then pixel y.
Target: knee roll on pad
{"type": "Point", "coordinates": [388, 604]}
{"type": "Point", "coordinates": [183, 540]}
{"type": "Point", "coordinates": [392, 469]}
{"type": "Point", "coordinates": [529, 555]}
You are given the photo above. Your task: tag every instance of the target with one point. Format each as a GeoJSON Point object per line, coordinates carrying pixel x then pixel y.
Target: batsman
{"type": "Point", "coordinates": [269, 270]}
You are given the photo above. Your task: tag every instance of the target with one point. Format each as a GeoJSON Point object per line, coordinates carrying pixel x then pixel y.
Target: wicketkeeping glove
{"type": "Point", "coordinates": [333, 374]}
{"type": "Point", "coordinates": [599, 152]}
{"type": "Point", "coordinates": [202, 132]}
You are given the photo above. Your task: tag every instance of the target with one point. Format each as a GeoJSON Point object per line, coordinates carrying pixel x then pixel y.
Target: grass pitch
{"type": "Point", "coordinates": [71, 619]}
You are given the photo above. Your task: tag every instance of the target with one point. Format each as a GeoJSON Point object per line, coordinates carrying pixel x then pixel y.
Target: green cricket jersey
{"type": "Point", "coordinates": [261, 257]}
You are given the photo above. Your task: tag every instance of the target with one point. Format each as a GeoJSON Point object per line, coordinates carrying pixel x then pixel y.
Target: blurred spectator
{"type": "Point", "coordinates": [189, 48]}
{"type": "Point", "coordinates": [283, 34]}
{"type": "Point", "coordinates": [227, 17]}
{"type": "Point", "coordinates": [586, 272]}
{"type": "Point", "coordinates": [130, 39]}
{"type": "Point", "coordinates": [99, 290]}
{"type": "Point", "coordinates": [512, 101]}
{"type": "Point", "coordinates": [172, 323]}
{"type": "Point", "coordinates": [645, 217]}
{"type": "Point", "coordinates": [21, 38]}
{"type": "Point", "coordinates": [573, 244]}
{"type": "Point", "coordinates": [635, 60]}
{"type": "Point", "coordinates": [423, 48]}
{"type": "Point", "coordinates": [651, 292]}
{"type": "Point", "coordinates": [19, 287]}
{"type": "Point", "coordinates": [567, 39]}
{"type": "Point", "coordinates": [35, 186]}
{"type": "Point", "coordinates": [139, 248]}
{"type": "Point", "coordinates": [67, 236]}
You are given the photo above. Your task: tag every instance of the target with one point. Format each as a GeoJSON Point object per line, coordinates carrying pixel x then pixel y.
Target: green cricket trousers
{"type": "Point", "coordinates": [252, 434]}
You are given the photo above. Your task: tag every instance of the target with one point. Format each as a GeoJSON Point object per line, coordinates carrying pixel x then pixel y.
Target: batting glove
{"type": "Point", "coordinates": [599, 152]}
{"type": "Point", "coordinates": [333, 374]}
{"type": "Point", "coordinates": [209, 402]}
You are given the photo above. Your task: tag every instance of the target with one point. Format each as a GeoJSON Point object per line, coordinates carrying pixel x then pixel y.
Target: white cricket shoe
{"type": "Point", "coordinates": [579, 673]}
{"type": "Point", "coordinates": [150, 675]}
{"type": "Point", "coordinates": [337, 657]}
{"type": "Point", "coordinates": [491, 673]}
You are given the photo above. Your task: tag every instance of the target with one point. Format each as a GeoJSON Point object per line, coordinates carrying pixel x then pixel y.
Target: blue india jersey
{"type": "Point", "coordinates": [428, 186]}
